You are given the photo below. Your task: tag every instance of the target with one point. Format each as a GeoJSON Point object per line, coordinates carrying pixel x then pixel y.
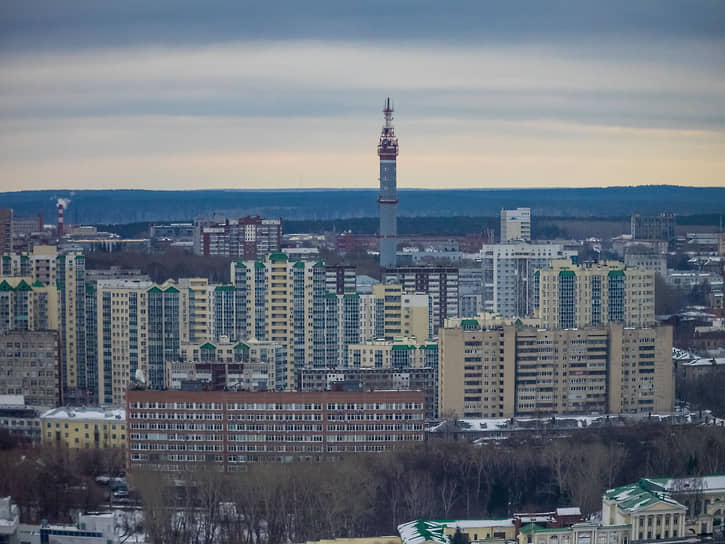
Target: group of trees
{"type": "Point", "coordinates": [51, 483]}
{"type": "Point", "coordinates": [372, 494]}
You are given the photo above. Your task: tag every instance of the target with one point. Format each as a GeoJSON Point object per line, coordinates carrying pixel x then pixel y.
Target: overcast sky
{"type": "Point", "coordinates": [173, 94]}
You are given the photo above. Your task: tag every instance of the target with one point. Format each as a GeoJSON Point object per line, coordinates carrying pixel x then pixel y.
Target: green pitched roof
{"type": "Point", "coordinates": [429, 346]}
{"type": "Point", "coordinates": [635, 497]}
{"type": "Point", "coordinates": [154, 289]}
{"type": "Point", "coordinates": [351, 295]}
{"type": "Point", "coordinates": [277, 257]}
{"type": "Point", "coordinates": [470, 323]}
{"type": "Point", "coordinates": [318, 264]}
{"type": "Point", "coordinates": [566, 274]}
{"type": "Point", "coordinates": [241, 345]}
{"type": "Point", "coordinates": [239, 264]}
{"type": "Point", "coordinates": [298, 264]}
{"type": "Point", "coordinates": [402, 347]}
{"type": "Point", "coordinates": [208, 345]}
{"type": "Point", "coordinates": [616, 273]}
{"type": "Point", "coordinates": [23, 286]}
{"type": "Point", "coordinates": [38, 283]}
{"type": "Point", "coordinates": [419, 531]}
{"type": "Point", "coordinates": [171, 289]}
{"type": "Point", "coordinates": [258, 265]}
{"type": "Point", "coordinates": [5, 286]}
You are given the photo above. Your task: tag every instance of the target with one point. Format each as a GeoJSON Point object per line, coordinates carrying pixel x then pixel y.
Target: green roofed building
{"type": "Point", "coordinates": [594, 294]}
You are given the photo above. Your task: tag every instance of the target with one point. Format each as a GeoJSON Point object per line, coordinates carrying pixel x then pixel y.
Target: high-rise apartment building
{"type": "Point", "coordinates": [243, 238]}
{"type": "Point", "coordinates": [137, 327]}
{"type": "Point", "coordinates": [246, 366]}
{"type": "Point", "coordinates": [195, 293]}
{"type": "Point", "coordinates": [399, 313]}
{"type": "Point", "coordinates": [646, 258]}
{"type": "Point", "coordinates": [340, 279]}
{"type": "Point", "coordinates": [509, 371]}
{"type": "Point", "coordinates": [232, 429]}
{"type": "Point", "coordinates": [653, 227]}
{"type": "Point", "coordinates": [569, 296]}
{"type": "Point", "coordinates": [26, 306]}
{"type": "Point", "coordinates": [6, 230]}
{"type": "Point", "coordinates": [439, 283]}
{"type": "Point", "coordinates": [508, 275]}
{"type": "Point", "coordinates": [516, 224]}
{"type": "Point", "coordinates": [286, 302]}
{"type": "Point", "coordinates": [66, 271]}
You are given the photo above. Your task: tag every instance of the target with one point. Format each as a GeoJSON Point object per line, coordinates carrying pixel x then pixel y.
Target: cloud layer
{"type": "Point", "coordinates": [574, 95]}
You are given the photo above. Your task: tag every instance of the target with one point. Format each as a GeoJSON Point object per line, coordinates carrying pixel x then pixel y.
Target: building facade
{"type": "Point", "coordinates": [243, 238]}
{"type": "Point", "coordinates": [593, 294]}
{"type": "Point", "coordinates": [374, 379]}
{"type": "Point", "coordinates": [31, 367]}
{"type": "Point", "coordinates": [508, 269]}
{"type": "Point", "coordinates": [176, 430]}
{"type": "Point", "coordinates": [513, 370]}
{"type": "Point", "coordinates": [83, 427]}
{"type": "Point", "coordinates": [653, 227]}
{"type": "Point", "coordinates": [516, 225]}
{"type": "Point", "coordinates": [439, 283]}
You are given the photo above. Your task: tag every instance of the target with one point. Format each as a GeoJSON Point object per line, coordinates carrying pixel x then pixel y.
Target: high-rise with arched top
{"type": "Point", "coordinates": [388, 196]}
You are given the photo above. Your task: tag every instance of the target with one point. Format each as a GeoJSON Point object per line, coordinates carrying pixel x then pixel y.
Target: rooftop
{"type": "Point", "coordinates": [86, 412]}
{"type": "Point", "coordinates": [640, 495]}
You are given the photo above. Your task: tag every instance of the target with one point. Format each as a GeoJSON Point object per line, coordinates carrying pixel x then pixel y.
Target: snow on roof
{"type": "Point", "coordinates": [640, 495]}
{"type": "Point", "coordinates": [12, 400]}
{"type": "Point", "coordinates": [475, 523]}
{"type": "Point", "coordinates": [86, 412]}
{"type": "Point", "coordinates": [706, 361]}
{"type": "Point", "coordinates": [569, 511]}
{"type": "Point", "coordinates": [420, 531]}
{"type": "Point", "coordinates": [681, 354]}
{"type": "Point", "coordinates": [712, 483]}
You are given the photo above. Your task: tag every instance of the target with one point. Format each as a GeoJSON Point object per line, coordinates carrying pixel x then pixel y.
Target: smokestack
{"type": "Point", "coordinates": [60, 220]}
{"type": "Point", "coordinates": [62, 204]}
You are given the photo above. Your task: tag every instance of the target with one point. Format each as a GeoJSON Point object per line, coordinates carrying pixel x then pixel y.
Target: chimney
{"type": "Point", "coordinates": [60, 220]}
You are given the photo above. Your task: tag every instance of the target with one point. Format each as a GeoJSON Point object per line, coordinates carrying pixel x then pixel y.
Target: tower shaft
{"type": "Point", "coordinates": [388, 195]}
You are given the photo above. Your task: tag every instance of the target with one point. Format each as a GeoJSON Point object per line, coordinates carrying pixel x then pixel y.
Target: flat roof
{"type": "Point", "coordinates": [86, 412]}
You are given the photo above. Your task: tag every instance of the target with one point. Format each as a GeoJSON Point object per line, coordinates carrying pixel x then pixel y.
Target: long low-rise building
{"type": "Point", "coordinates": [176, 430]}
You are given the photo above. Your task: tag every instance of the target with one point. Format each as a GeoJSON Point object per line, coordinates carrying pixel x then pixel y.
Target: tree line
{"type": "Point", "coordinates": [369, 495]}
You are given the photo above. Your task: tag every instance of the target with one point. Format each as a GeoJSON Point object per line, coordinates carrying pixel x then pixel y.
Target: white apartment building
{"type": "Point", "coordinates": [508, 274]}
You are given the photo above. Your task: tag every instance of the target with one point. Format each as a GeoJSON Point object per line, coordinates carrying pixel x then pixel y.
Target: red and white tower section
{"type": "Point", "coordinates": [388, 196]}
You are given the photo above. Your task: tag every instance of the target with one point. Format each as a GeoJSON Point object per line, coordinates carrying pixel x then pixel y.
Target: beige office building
{"type": "Point", "coordinates": [568, 296]}
{"type": "Point", "coordinates": [514, 370]}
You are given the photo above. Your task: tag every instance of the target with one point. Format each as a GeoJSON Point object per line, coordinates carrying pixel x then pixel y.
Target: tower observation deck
{"type": "Point", "coordinates": [388, 195]}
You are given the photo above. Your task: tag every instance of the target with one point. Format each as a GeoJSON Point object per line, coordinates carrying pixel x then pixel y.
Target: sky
{"type": "Point", "coordinates": [175, 94]}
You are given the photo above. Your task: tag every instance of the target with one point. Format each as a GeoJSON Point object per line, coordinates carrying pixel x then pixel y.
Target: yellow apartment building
{"type": "Point", "coordinates": [83, 428]}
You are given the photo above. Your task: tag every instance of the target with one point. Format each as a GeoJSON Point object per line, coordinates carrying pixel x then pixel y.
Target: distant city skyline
{"type": "Point", "coordinates": [188, 95]}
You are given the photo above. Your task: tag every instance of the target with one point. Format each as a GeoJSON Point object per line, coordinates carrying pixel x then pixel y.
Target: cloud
{"type": "Point", "coordinates": [220, 94]}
